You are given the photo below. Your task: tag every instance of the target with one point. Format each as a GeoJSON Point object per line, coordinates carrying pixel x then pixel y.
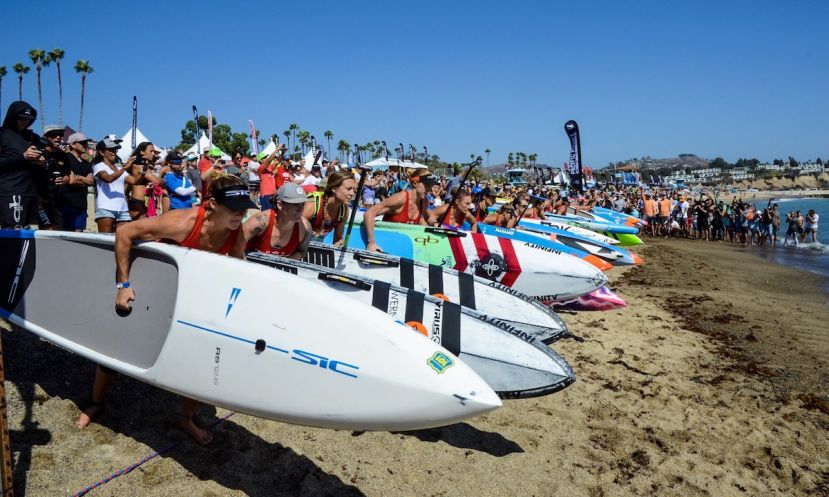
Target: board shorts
{"type": "Point", "coordinates": [118, 216]}
{"type": "Point", "coordinates": [18, 211]}
{"type": "Point", "coordinates": [266, 202]}
{"type": "Point", "coordinates": [74, 218]}
{"type": "Point", "coordinates": [253, 186]}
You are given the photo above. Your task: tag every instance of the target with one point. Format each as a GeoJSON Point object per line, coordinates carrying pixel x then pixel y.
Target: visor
{"type": "Point", "coordinates": [428, 180]}
{"type": "Point", "coordinates": [235, 198]}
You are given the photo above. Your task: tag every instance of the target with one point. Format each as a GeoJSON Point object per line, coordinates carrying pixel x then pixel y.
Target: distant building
{"type": "Point", "coordinates": [741, 173]}
{"type": "Point", "coordinates": [769, 167]}
{"type": "Point", "coordinates": [811, 167]}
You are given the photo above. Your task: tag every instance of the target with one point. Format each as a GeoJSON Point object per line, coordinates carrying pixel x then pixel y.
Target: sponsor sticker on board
{"type": "Point", "coordinates": [440, 362]}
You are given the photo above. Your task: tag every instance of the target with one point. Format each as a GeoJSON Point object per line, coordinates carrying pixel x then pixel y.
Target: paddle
{"type": "Point", "coordinates": [471, 165]}
{"type": "Point", "coordinates": [533, 198]}
{"type": "Point", "coordinates": [364, 172]}
{"type": "Point", "coordinates": [196, 121]}
{"type": "Point", "coordinates": [451, 232]}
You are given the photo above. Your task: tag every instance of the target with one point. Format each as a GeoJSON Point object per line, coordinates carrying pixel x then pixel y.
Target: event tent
{"type": "Point", "coordinates": [382, 164]}
{"type": "Point", "coordinates": [202, 145]}
{"type": "Point", "coordinates": [126, 143]}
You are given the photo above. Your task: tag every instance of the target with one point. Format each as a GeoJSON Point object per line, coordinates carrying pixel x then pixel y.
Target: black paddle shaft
{"type": "Point", "coordinates": [458, 189]}
{"type": "Point", "coordinates": [364, 171]}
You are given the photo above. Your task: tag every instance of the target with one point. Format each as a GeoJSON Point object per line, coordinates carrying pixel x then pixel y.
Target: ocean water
{"type": "Point", "coordinates": [812, 257]}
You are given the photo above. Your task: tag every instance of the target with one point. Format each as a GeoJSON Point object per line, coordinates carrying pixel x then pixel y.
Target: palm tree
{"type": "Point", "coordinates": [20, 69]}
{"type": "Point", "coordinates": [343, 147]}
{"type": "Point", "coordinates": [40, 59]}
{"type": "Point", "coordinates": [328, 135]}
{"type": "Point", "coordinates": [287, 135]}
{"type": "Point", "coordinates": [57, 55]}
{"type": "Point", "coordinates": [82, 66]}
{"type": "Point", "coordinates": [509, 158]}
{"type": "Point", "coordinates": [293, 127]}
{"type": "Point", "coordinates": [533, 158]}
{"type": "Point", "coordinates": [2, 74]}
{"type": "Point", "coordinates": [487, 151]}
{"type": "Point", "coordinates": [303, 137]}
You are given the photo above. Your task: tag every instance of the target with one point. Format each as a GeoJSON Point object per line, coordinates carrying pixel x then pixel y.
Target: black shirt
{"type": "Point", "coordinates": [46, 175]}
{"type": "Point", "coordinates": [16, 173]}
{"type": "Point", "coordinates": [75, 195]}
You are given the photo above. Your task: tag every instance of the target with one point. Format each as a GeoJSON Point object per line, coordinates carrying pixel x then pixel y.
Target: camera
{"type": "Point", "coordinates": [140, 161]}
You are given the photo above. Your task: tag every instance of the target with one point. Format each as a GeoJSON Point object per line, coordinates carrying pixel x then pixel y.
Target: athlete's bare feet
{"type": "Point", "coordinates": [89, 415]}
{"type": "Point", "coordinates": [200, 436]}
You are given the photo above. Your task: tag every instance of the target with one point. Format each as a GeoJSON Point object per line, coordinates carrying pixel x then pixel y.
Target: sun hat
{"type": "Point", "coordinates": [51, 128]}
{"type": "Point", "coordinates": [77, 138]}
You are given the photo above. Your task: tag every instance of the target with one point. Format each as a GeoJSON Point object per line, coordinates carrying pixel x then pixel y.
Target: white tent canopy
{"type": "Point", "coordinates": [383, 163]}
{"type": "Point", "coordinates": [126, 143]}
{"type": "Point", "coordinates": [202, 145]}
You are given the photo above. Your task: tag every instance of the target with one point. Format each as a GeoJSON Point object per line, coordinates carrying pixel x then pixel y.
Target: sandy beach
{"type": "Point", "coordinates": [713, 382]}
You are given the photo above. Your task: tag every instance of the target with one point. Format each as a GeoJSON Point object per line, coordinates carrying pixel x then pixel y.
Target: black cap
{"type": "Point", "coordinates": [28, 113]}
{"type": "Point", "coordinates": [235, 198]}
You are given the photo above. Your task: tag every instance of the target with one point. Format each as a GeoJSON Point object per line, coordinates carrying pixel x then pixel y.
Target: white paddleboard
{"type": "Point", "coordinates": [235, 334]}
{"type": "Point", "coordinates": [513, 362]}
{"type": "Point", "coordinates": [486, 296]}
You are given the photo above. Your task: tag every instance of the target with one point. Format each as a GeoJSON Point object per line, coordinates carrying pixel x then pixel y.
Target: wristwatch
{"type": "Point", "coordinates": [125, 284]}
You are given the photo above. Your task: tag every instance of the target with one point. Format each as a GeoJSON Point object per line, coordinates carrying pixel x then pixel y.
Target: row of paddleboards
{"type": "Point", "coordinates": [439, 330]}
{"type": "Point", "coordinates": [288, 340]}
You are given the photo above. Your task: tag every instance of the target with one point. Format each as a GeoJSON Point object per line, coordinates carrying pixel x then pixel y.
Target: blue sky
{"type": "Point", "coordinates": [734, 79]}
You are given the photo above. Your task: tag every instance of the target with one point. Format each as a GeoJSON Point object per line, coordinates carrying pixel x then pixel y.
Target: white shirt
{"type": "Point", "coordinates": [109, 196]}
{"type": "Point", "coordinates": [312, 180]}
{"type": "Point", "coordinates": [253, 166]}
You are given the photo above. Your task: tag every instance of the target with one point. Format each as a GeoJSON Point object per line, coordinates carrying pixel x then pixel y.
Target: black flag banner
{"type": "Point", "coordinates": [134, 122]}
{"type": "Point", "coordinates": [574, 164]}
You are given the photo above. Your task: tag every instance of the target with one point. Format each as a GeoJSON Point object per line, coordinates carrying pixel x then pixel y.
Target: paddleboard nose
{"type": "Point", "coordinates": [598, 262]}
{"type": "Point", "coordinates": [637, 260]}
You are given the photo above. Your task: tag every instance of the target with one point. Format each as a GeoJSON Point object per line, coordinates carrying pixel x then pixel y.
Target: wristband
{"type": "Point", "coordinates": [125, 284]}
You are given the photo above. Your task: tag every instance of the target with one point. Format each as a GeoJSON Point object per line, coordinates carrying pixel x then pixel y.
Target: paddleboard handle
{"type": "Point", "coordinates": [366, 259]}
{"type": "Point", "coordinates": [339, 278]}
{"type": "Point", "coordinates": [451, 233]}
{"type": "Point", "coordinates": [260, 346]}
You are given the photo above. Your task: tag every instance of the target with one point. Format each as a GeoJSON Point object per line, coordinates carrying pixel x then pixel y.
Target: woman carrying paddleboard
{"type": "Point", "coordinates": [459, 212]}
{"type": "Point", "coordinates": [286, 233]}
{"type": "Point", "coordinates": [328, 210]}
{"type": "Point", "coordinates": [215, 226]}
{"type": "Point", "coordinates": [408, 207]}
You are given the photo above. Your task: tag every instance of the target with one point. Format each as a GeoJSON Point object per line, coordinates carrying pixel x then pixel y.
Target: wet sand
{"type": "Point", "coordinates": [713, 382]}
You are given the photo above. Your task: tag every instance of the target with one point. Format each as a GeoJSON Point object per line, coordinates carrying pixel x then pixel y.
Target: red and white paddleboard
{"type": "Point", "coordinates": [545, 274]}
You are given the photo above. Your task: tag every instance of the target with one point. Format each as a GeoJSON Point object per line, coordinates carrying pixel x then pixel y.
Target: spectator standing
{"type": "Point", "coordinates": [111, 210]}
{"type": "Point", "coordinates": [18, 158]}
{"type": "Point", "coordinates": [73, 197]}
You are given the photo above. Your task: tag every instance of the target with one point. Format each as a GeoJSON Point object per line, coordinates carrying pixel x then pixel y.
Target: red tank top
{"type": "Point", "coordinates": [192, 240]}
{"type": "Point", "coordinates": [403, 215]}
{"type": "Point", "coordinates": [262, 242]}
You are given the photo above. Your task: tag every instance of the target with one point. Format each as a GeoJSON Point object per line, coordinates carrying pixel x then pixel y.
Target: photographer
{"type": "Point", "coordinates": [73, 196]}
{"type": "Point", "coordinates": [51, 178]}
{"type": "Point", "coordinates": [19, 156]}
